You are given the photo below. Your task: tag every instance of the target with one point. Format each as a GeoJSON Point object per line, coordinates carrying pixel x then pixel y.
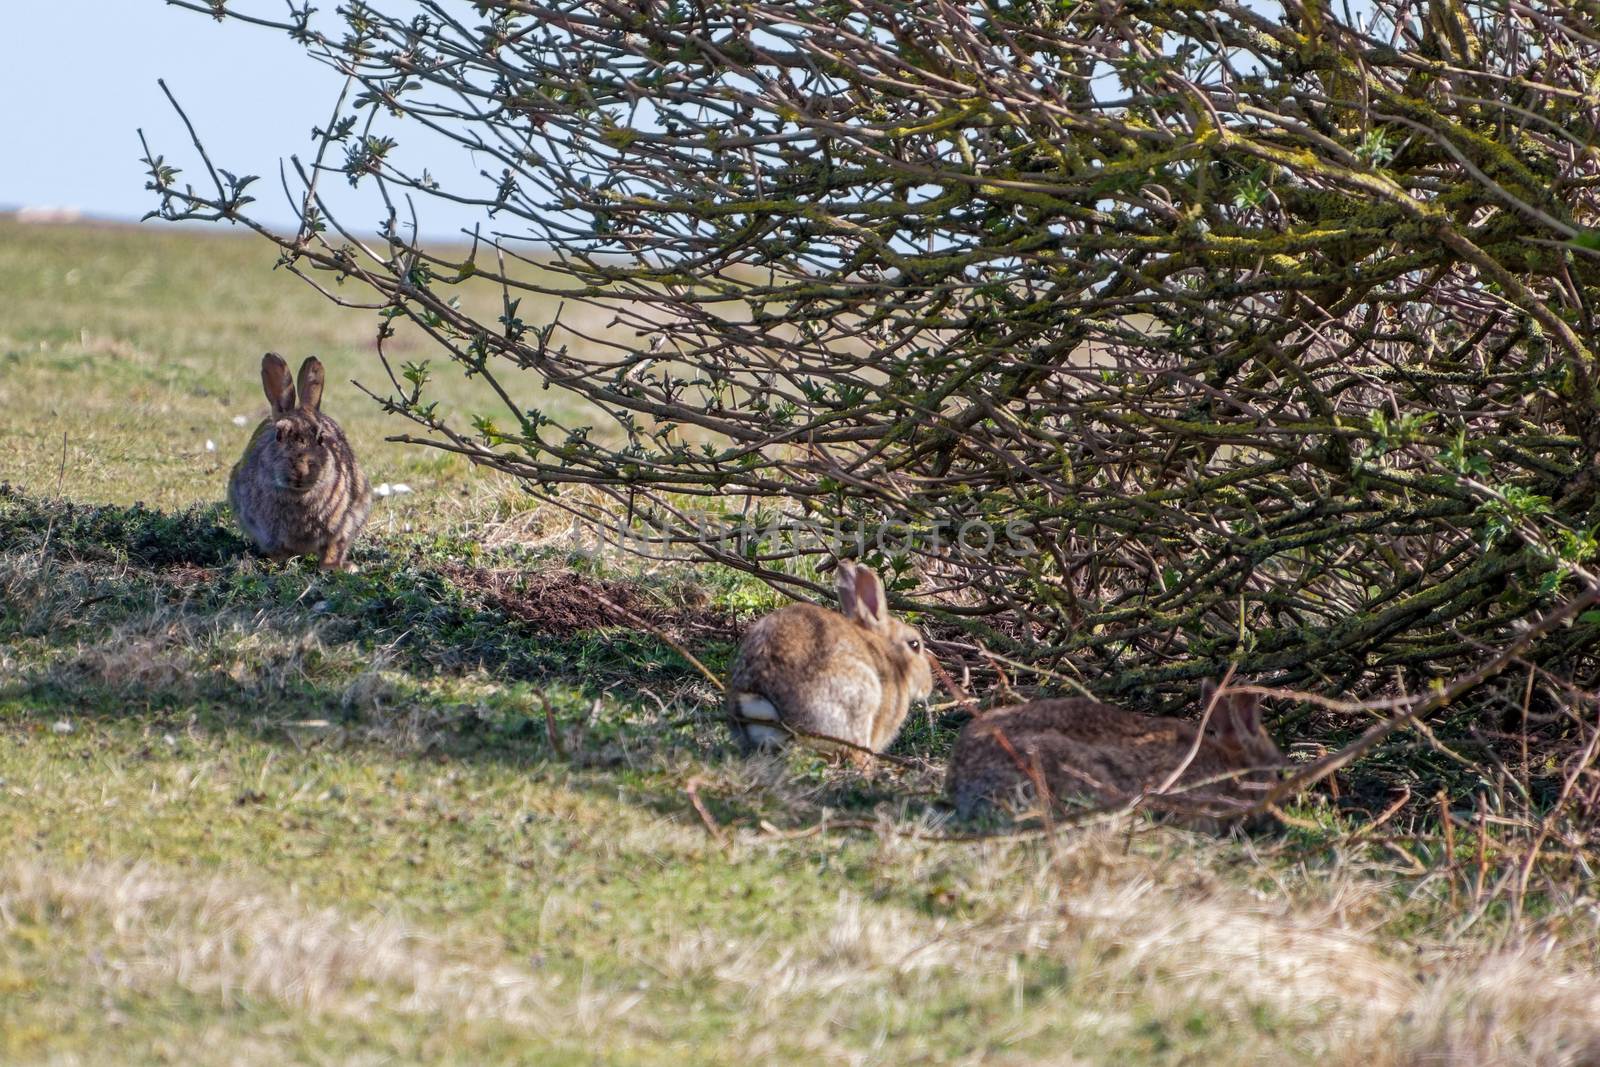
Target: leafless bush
{"type": "Point", "coordinates": [1242, 333]}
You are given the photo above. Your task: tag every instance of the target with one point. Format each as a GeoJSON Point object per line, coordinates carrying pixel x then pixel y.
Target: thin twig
{"type": "Point", "coordinates": [692, 787]}
{"type": "Point", "coordinates": [61, 478]}
{"type": "Point", "coordinates": [550, 732]}
{"type": "Point", "coordinates": [665, 638]}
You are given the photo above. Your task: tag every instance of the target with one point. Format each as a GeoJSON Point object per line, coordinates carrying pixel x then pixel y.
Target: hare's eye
{"type": "Point", "coordinates": [914, 644]}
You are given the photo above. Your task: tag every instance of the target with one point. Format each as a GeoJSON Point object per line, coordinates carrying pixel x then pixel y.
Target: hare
{"type": "Point", "coordinates": [848, 675]}
{"type": "Point", "coordinates": [1084, 748]}
{"type": "Point", "coordinates": [298, 490]}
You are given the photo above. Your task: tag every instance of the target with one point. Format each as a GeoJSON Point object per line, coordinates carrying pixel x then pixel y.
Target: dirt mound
{"type": "Point", "coordinates": [563, 603]}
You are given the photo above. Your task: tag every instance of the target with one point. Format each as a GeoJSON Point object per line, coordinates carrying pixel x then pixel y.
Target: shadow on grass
{"type": "Point", "coordinates": [129, 615]}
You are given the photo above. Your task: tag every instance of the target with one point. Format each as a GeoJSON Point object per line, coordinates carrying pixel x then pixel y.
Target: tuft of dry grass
{"type": "Point", "coordinates": [172, 653]}
{"type": "Point", "coordinates": [213, 936]}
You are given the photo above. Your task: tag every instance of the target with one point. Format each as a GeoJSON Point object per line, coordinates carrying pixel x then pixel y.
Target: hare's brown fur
{"type": "Point", "coordinates": [807, 671]}
{"type": "Point", "coordinates": [1084, 748]}
{"type": "Point", "coordinates": [298, 490]}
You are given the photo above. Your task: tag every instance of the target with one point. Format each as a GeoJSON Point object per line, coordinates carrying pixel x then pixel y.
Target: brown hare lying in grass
{"type": "Point", "coordinates": [1083, 748]}
{"type": "Point", "coordinates": [850, 675]}
{"type": "Point", "coordinates": [298, 490]}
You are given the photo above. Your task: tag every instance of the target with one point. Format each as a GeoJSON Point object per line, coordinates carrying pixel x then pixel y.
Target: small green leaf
{"type": "Point", "coordinates": [1588, 240]}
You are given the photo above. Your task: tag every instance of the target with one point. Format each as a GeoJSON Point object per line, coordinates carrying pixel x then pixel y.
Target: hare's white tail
{"type": "Point", "coordinates": [754, 711]}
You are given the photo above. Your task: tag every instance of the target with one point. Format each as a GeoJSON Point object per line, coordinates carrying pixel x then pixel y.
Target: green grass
{"type": "Point", "coordinates": [134, 346]}
{"type": "Point", "coordinates": [251, 813]}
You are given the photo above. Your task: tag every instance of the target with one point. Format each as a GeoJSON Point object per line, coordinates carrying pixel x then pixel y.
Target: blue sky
{"type": "Point", "coordinates": [80, 79]}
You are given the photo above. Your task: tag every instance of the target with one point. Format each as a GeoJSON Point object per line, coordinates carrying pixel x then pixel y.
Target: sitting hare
{"type": "Point", "coordinates": [849, 674]}
{"type": "Point", "coordinates": [1088, 749]}
{"type": "Point", "coordinates": [298, 490]}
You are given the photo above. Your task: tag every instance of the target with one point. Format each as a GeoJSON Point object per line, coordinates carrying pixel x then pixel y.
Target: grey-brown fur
{"type": "Point", "coordinates": [1083, 748]}
{"type": "Point", "coordinates": [298, 490]}
{"type": "Point", "coordinates": [850, 675]}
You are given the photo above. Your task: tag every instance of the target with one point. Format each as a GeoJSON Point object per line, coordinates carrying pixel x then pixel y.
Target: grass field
{"type": "Point", "coordinates": [443, 810]}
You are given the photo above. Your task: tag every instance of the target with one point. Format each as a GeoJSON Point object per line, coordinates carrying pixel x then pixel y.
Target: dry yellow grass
{"type": "Point", "coordinates": [1141, 939]}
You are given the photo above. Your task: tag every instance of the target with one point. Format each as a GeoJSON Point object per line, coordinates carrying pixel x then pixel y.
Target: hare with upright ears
{"type": "Point", "coordinates": [1084, 748]}
{"type": "Point", "coordinates": [847, 675]}
{"type": "Point", "coordinates": [298, 490]}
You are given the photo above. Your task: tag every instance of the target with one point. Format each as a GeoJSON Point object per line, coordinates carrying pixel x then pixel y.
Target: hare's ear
{"type": "Point", "coordinates": [844, 585]}
{"type": "Point", "coordinates": [1237, 715]}
{"type": "Point", "coordinates": [276, 384]}
{"type": "Point", "coordinates": [871, 604]}
{"type": "Point", "coordinates": [311, 384]}
{"type": "Point", "coordinates": [1244, 713]}
{"type": "Point", "coordinates": [1220, 723]}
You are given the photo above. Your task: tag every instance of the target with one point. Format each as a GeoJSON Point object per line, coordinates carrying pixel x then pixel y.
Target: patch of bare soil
{"type": "Point", "coordinates": [563, 603]}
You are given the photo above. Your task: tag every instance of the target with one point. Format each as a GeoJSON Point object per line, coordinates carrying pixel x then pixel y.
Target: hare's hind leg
{"type": "Point", "coordinates": [333, 555]}
{"type": "Point", "coordinates": [756, 722]}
